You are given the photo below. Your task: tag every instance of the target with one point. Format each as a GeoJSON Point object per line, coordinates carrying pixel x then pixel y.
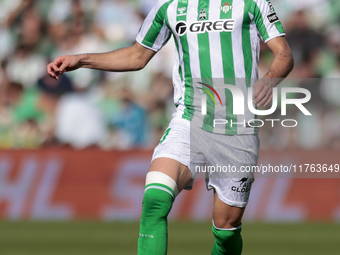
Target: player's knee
{"type": "Point", "coordinates": [160, 193]}
{"type": "Point", "coordinates": [226, 234]}
{"type": "Point", "coordinates": [226, 223]}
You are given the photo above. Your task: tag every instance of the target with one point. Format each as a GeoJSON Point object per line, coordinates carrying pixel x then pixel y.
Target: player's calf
{"type": "Point", "coordinates": [160, 193]}
{"type": "Point", "coordinates": [227, 227]}
{"type": "Point", "coordinates": [227, 241]}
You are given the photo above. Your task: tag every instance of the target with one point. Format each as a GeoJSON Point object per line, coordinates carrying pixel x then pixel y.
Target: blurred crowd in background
{"type": "Point", "coordinates": [131, 110]}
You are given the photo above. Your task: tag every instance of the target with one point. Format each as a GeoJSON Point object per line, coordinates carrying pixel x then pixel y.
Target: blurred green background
{"type": "Point", "coordinates": [185, 238]}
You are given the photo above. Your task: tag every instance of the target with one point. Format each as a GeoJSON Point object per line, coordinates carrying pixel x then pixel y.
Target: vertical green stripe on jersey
{"type": "Point", "coordinates": [180, 71]}
{"type": "Point", "coordinates": [246, 46]}
{"type": "Point", "coordinates": [247, 49]}
{"type": "Point", "coordinates": [259, 22]}
{"type": "Point", "coordinates": [279, 27]}
{"type": "Point", "coordinates": [189, 91]}
{"type": "Point", "coordinates": [228, 72]}
{"type": "Point", "coordinates": [176, 43]}
{"type": "Point", "coordinates": [205, 66]}
{"type": "Point", "coordinates": [166, 18]}
{"type": "Point", "coordinates": [156, 27]}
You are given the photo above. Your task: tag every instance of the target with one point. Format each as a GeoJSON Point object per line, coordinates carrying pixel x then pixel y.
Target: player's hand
{"type": "Point", "coordinates": [63, 64]}
{"type": "Point", "coordinates": [263, 94]}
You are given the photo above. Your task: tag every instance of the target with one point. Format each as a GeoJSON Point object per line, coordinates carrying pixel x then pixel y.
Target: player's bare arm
{"type": "Point", "coordinates": [281, 66]}
{"type": "Point", "coordinates": [127, 59]}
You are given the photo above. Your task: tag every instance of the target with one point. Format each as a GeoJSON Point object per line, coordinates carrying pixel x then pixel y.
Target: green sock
{"type": "Point", "coordinates": [227, 242]}
{"type": "Point", "coordinates": [153, 234]}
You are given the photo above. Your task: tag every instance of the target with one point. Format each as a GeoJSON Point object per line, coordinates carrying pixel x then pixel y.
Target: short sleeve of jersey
{"type": "Point", "coordinates": [266, 20]}
{"type": "Point", "coordinates": [154, 33]}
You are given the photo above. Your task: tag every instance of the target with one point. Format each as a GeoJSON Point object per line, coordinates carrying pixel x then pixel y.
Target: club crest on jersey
{"type": "Point", "coordinates": [226, 7]}
{"type": "Point", "coordinates": [181, 11]}
{"type": "Point", "coordinates": [203, 15]}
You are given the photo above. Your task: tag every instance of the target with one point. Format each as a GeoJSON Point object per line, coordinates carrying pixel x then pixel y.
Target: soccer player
{"type": "Point", "coordinates": [214, 39]}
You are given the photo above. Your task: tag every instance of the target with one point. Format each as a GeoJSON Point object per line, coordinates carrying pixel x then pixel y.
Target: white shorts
{"type": "Point", "coordinates": [218, 156]}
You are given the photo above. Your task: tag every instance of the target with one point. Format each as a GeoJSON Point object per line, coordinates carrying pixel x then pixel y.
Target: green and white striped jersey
{"type": "Point", "coordinates": [218, 41]}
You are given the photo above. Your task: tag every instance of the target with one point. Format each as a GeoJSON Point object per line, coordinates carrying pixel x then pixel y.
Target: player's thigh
{"type": "Point", "coordinates": [177, 171]}
{"type": "Point", "coordinates": [172, 155]}
{"type": "Point", "coordinates": [226, 216]}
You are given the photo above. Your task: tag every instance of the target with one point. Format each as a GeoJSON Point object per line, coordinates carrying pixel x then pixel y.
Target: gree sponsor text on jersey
{"type": "Point", "coordinates": [199, 27]}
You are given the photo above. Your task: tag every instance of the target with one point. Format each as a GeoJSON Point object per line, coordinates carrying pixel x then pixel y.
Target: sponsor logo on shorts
{"type": "Point", "coordinates": [272, 17]}
{"type": "Point", "coordinates": [243, 185]}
